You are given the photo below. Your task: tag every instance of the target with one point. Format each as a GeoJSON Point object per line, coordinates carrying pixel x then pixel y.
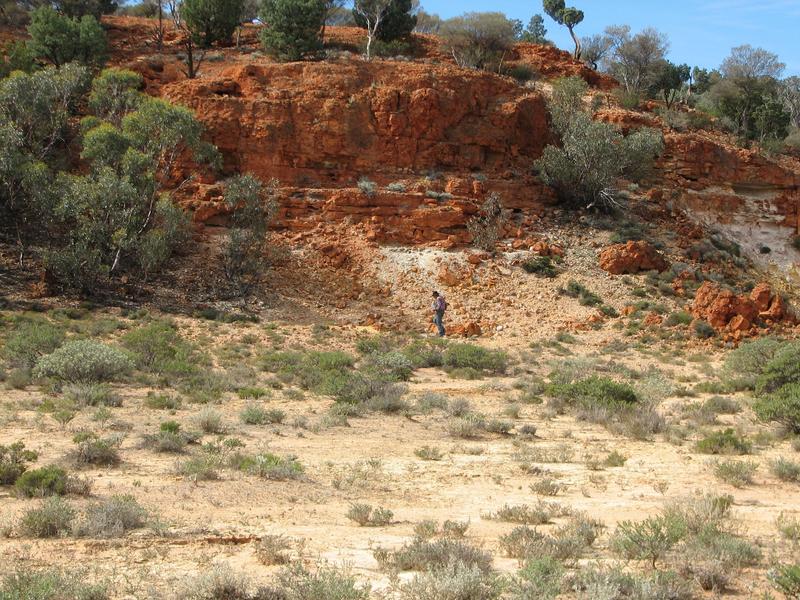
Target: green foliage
{"type": "Point", "coordinates": [91, 394]}
{"type": "Point", "coordinates": [470, 356]}
{"type": "Point", "coordinates": [786, 578]}
{"type": "Point", "coordinates": [541, 265]}
{"type": "Point", "coordinates": [595, 391]}
{"type": "Point", "coordinates": [566, 101]}
{"type": "Point", "coordinates": [398, 20]}
{"type": "Point", "coordinates": [782, 407]}
{"type": "Point", "coordinates": [293, 30]}
{"type": "Point", "coordinates": [535, 32]}
{"type": "Point", "coordinates": [271, 466]}
{"type": "Point", "coordinates": [84, 361]}
{"type": "Point", "coordinates": [252, 208]}
{"type": "Point", "coordinates": [97, 451]}
{"type": "Point", "coordinates": [16, 56]}
{"type": "Point", "coordinates": [540, 578]}
{"type": "Point", "coordinates": [46, 481]}
{"type": "Point", "coordinates": [649, 540]}
{"type": "Point", "coordinates": [52, 519]}
{"type": "Point", "coordinates": [79, 8]}
{"type": "Point", "coordinates": [592, 156]}
{"type": "Point", "coordinates": [325, 583]}
{"type": "Point", "coordinates": [159, 348]}
{"type": "Point", "coordinates": [30, 341]}
{"type": "Point", "coordinates": [423, 555]}
{"type": "Point", "coordinates": [13, 462]}
{"type": "Point", "coordinates": [585, 296]}
{"type": "Point", "coordinates": [567, 16]}
{"type": "Point", "coordinates": [115, 93]}
{"type": "Point", "coordinates": [735, 472]}
{"type": "Point", "coordinates": [726, 441]}
{"type": "Point", "coordinates": [453, 582]}
{"type": "Point", "coordinates": [49, 585]}
{"type": "Point", "coordinates": [782, 369]}
{"type": "Point", "coordinates": [479, 40]}
{"type": "Point", "coordinates": [61, 39]}
{"type": "Point", "coordinates": [785, 469]}
{"type": "Point", "coordinates": [253, 414]}
{"type": "Point", "coordinates": [211, 21]}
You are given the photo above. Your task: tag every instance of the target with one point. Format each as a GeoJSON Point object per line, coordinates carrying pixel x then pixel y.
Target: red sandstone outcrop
{"type": "Point", "coordinates": [632, 257]}
{"type": "Point", "coordinates": [725, 310]}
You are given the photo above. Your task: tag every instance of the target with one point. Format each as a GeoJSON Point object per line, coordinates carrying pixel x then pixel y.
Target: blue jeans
{"type": "Point", "coordinates": [438, 321]}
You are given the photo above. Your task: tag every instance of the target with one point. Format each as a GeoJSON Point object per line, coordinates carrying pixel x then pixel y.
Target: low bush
{"type": "Point", "coordinates": [30, 341]}
{"type": "Point", "coordinates": [785, 469]}
{"type": "Point", "coordinates": [541, 265]}
{"type": "Point", "coordinates": [453, 582]}
{"type": "Point", "coordinates": [210, 421]}
{"type": "Point", "coordinates": [96, 451]}
{"type": "Point", "coordinates": [112, 518]}
{"type": "Point", "coordinates": [649, 540]}
{"type": "Point", "coordinates": [52, 519]}
{"type": "Point", "coordinates": [782, 406]}
{"type": "Point", "coordinates": [744, 365]}
{"type": "Point", "coordinates": [424, 555]}
{"type": "Point", "coordinates": [538, 514]}
{"type": "Point", "coordinates": [680, 317]}
{"type": "Point", "coordinates": [704, 330]}
{"type": "Point", "coordinates": [220, 582]}
{"type": "Point", "coordinates": [470, 356]}
{"type": "Point", "coordinates": [162, 401]}
{"type": "Point", "coordinates": [49, 585]}
{"type": "Point", "coordinates": [159, 348]}
{"type": "Point", "coordinates": [46, 481]}
{"type": "Point", "coordinates": [540, 578]}
{"type": "Point", "coordinates": [273, 550]}
{"type": "Point", "coordinates": [91, 394]}
{"type": "Point", "coordinates": [786, 578]}
{"type": "Point", "coordinates": [585, 296]}
{"type": "Point", "coordinates": [467, 427]}
{"type": "Point", "coordinates": [325, 583]}
{"type": "Point", "coordinates": [271, 466]}
{"type": "Point", "coordinates": [254, 414]}
{"type": "Point", "coordinates": [427, 352]}
{"type": "Point", "coordinates": [594, 391]}
{"type": "Point", "coordinates": [735, 472]}
{"type": "Point", "coordinates": [429, 453]}
{"type": "Point", "coordinates": [724, 442]}
{"type": "Point", "coordinates": [14, 461]}
{"type": "Point", "coordinates": [84, 361]}
{"type": "Point", "coordinates": [783, 369]}
{"type": "Point", "coordinates": [367, 516]}
{"type": "Point", "coordinates": [615, 459]}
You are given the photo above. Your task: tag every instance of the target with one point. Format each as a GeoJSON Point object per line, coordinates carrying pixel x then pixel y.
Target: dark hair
{"type": "Point", "coordinates": [436, 294]}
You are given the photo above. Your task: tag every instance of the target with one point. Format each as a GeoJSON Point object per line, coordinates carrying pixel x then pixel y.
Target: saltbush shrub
{"type": "Point", "coordinates": [30, 341]}
{"type": "Point", "coordinates": [724, 442]}
{"type": "Point", "coordinates": [112, 518]}
{"type": "Point", "coordinates": [46, 481]}
{"type": "Point", "coordinates": [470, 356]}
{"type": "Point", "coordinates": [541, 265]}
{"type": "Point", "coordinates": [271, 466]}
{"type": "Point", "coordinates": [91, 394]}
{"type": "Point", "coordinates": [49, 585]}
{"type": "Point", "coordinates": [84, 361]}
{"type": "Point", "coordinates": [782, 406]}
{"type": "Point", "coordinates": [423, 555]}
{"type": "Point", "coordinates": [160, 348]}
{"type": "Point", "coordinates": [744, 365]}
{"type": "Point", "coordinates": [52, 519]}
{"type": "Point", "coordinates": [14, 461]}
{"type": "Point", "coordinates": [453, 582]}
{"type": "Point", "coordinates": [781, 370]}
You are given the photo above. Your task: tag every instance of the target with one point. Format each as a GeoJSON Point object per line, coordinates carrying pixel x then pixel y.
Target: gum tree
{"type": "Point", "coordinates": [568, 16]}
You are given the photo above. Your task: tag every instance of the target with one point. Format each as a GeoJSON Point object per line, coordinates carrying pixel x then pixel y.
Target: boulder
{"type": "Point", "coordinates": [632, 257]}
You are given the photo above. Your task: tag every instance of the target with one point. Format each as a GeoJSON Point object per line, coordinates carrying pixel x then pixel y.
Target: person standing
{"type": "Point", "coordinates": [439, 307]}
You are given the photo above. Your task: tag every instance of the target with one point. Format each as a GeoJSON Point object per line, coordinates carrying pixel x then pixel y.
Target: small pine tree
{"type": "Point", "coordinates": [293, 28]}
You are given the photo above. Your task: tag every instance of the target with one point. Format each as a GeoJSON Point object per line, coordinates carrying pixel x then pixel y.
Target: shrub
{"type": "Point", "coordinates": [159, 348]}
{"type": "Point", "coordinates": [782, 407]}
{"type": "Point", "coordinates": [52, 519]}
{"type": "Point", "coordinates": [737, 473]}
{"type": "Point", "coordinates": [789, 526]}
{"type": "Point", "coordinates": [615, 459]}
{"type": "Point", "coordinates": [271, 466]}
{"type": "Point", "coordinates": [253, 414]}
{"type": "Point", "coordinates": [540, 578]}
{"type": "Point", "coordinates": [469, 426]}
{"type": "Point", "coordinates": [429, 453]}
{"type": "Point", "coordinates": [49, 585]}
{"type": "Point", "coordinates": [785, 469]}
{"type": "Point", "coordinates": [680, 317]}
{"type": "Point", "coordinates": [585, 296]}
{"type": "Point", "coordinates": [573, 169]}
{"type": "Point", "coordinates": [423, 555]}
{"type": "Point", "coordinates": [294, 30]}
{"type": "Point", "coordinates": [595, 391]}
{"type": "Point", "coordinates": [367, 186]}
{"type": "Point", "coordinates": [30, 341]}
{"type": "Point", "coordinates": [486, 227]}
{"type": "Point", "coordinates": [539, 514]}
{"type": "Point", "coordinates": [161, 401]}
{"type": "Point", "coordinates": [724, 442]}
{"type": "Point", "coordinates": [97, 451]}
{"type": "Point", "coordinates": [746, 363]}
{"type": "Point", "coordinates": [367, 516]}
{"type": "Point", "coordinates": [786, 578]}
{"type": "Point", "coordinates": [393, 366]}
{"type": "Point", "coordinates": [47, 481]}
{"type": "Point", "coordinates": [459, 356]}
{"type": "Point", "coordinates": [273, 550]}
{"type": "Point", "coordinates": [13, 462]}
{"type": "Point", "coordinates": [704, 330]}
{"type": "Point", "coordinates": [325, 583]}
{"type": "Point", "coordinates": [541, 265]}
{"type": "Point", "coordinates": [210, 421]}
{"type": "Point", "coordinates": [252, 392]}
{"type": "Point", "coordinates": [84, 361]}
{"type": "Point", "coordinates": [217, 583]}
{"type": "Point", "coordinates": [479, 40]}
{"type": "Point", "coordinates": [650, 539]}
{"type": "Point", "coordinates": [453, 582]}
{"type": "Point", "coordinates": [781, 370]}
{"type": "Point", "coordinates": [91, 394]}
{"type": "Point", "coordinates": [112, 518]}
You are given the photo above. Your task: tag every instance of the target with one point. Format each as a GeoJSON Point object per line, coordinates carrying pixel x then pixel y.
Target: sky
{"type": "Point", "coordinates": [701, 32]}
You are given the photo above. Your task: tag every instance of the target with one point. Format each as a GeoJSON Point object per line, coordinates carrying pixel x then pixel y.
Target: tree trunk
{"type": "Point", "coordinates": [160, 26]}
{"type": "Point", "coordinates": [577, 41]}
{"type": "Point", "coordinates": [369, 45]}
